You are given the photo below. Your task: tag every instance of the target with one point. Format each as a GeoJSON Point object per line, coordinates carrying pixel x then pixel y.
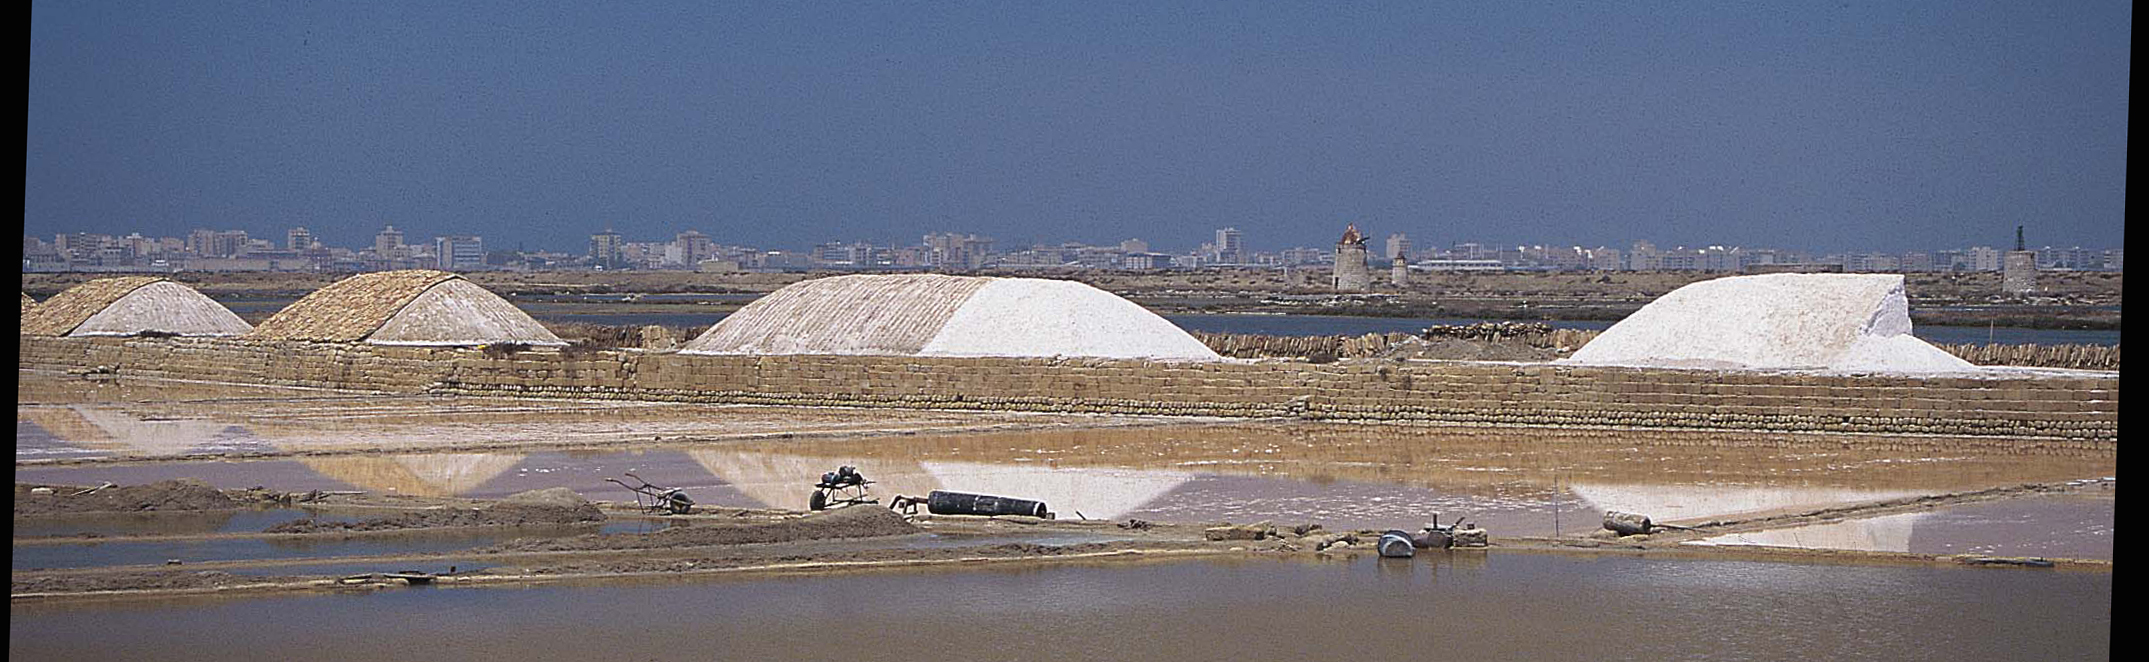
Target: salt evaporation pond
{"type": "Point", "coordinates": [1447, 606]}
{"type": "Point", "coordinates": [1523, 482]}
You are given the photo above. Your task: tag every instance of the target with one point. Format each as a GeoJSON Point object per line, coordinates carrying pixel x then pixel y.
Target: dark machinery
{"type": "Point", "coordinates": [961, 503]}
{"type": "Point", "coordinates": [1435, 536]}
{"type": "Point", "coordinates": [656, 499]}
{"type": "Point", "coordinates": [842, 488]}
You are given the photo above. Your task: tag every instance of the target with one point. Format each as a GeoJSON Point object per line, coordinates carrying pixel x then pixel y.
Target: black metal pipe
{"type": "Point", "coordinates": [959, 503]}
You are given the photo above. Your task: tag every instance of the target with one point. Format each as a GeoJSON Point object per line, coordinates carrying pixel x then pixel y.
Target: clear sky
{"type": "Point", "coordinates": [1825, 126]}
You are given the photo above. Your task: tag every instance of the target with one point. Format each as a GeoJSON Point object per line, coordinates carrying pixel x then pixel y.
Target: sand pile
{"type": "Point", "coordinates": [935, 315]}
{"type": "Point", "coordinates": [1848, 322]}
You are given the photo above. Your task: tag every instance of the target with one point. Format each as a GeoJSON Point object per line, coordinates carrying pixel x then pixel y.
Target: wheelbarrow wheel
{"type": "Point", "coordinates": [819, 501]}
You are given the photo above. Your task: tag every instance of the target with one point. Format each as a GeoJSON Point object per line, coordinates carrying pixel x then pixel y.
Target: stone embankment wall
{"type": "Point", "coordinates": [1565, 341]}
{"type": "Point", "coordinates": [2079, 407]}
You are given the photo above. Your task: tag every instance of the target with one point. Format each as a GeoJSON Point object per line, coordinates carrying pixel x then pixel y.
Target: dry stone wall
{"type": "Point", "coordinates": [2084, 407]}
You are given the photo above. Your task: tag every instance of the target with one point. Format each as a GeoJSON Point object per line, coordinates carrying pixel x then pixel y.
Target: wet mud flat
{"type": "Point", "coordinates": [398, 537]}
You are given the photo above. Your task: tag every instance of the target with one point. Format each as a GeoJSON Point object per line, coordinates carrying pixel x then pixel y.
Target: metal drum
{"type": "Point", "coordinates": [1395, 544]}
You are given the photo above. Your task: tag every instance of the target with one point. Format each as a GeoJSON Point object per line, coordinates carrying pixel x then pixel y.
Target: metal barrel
{"type": "Point", "coordinates": [1431, 539]}
{"type": "Point", "coordinates": [1396, 544]}
{"type": "Point", "coordinates": [959, 503]}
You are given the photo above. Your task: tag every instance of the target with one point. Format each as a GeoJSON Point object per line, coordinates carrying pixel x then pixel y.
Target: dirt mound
{"type": "Point", "coordinates": [860, 522]}
{"type": "Point", "coordinates": [504, 514]}
{"type": "Point", "coordinates": [558, 497]}
{"type": "Point", "coordinates": [170, 495]}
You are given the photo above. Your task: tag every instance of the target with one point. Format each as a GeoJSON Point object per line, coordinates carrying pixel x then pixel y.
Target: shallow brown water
{"type": "Point", "coordinates": [1460, 606]}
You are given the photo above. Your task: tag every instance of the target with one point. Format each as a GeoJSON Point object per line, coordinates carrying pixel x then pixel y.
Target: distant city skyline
{"type": "Point", "coordinates": [1888, 127]}
{"type": "Point", "coordinates": [205, 249]}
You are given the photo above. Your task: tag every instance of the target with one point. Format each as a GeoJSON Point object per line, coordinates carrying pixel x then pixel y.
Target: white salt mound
{"type": "Point", "coordinates": [459, 312]}
{"type": "Point", "coordinates": [936, 315]}
{"type": "Point", "coordinates": [1038, 317]}
{"type": "Point", "coordinates": [1849, 322]}
{"type": "Point", "coordinates": [167, 307]}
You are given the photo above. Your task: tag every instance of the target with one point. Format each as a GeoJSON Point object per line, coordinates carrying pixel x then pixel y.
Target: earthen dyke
{"type": "Point", "coordinates": [2082, 406]}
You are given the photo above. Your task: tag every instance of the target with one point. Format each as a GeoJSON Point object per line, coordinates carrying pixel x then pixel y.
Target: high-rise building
{"type": "Point", "coordinates": [1398, 247]}
{"type": "Point", "coordinates": [229, 243]}
{"type": "Point", "coordinates": [605, 249]}
{"type": "Point", "coordinates": [388, 243]}
{"type": "Point", "coordinates": [200, 241]}
{"type": "Point", "coordinates": [694, 247]}
{"type": "Point", "coordinates": [298, 239]}
{"type": "Point", "coordinates": [1351, 274]}
{"type": "Point", "coordinates": [1645, 257]}
{"type": "Point", "coordinates": [1982, 258]}
{"type": "Point", "coordinates": [1132, 246]}
{"type": "Point", "coordinates": [459, 252]}
{"type": "Point", "coordinates": [1229, 250]}
{"type": "Point", "coordinates": [961, 251]}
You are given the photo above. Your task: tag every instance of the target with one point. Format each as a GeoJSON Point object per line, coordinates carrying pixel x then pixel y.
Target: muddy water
{"type": "Point", "coordinates": [1503, 606]}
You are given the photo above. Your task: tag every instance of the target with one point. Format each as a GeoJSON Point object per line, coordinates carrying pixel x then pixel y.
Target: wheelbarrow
{"type": "Point", "coordinates": [842, 488]}
{"type": "Point", "coordinates": [657, 499]}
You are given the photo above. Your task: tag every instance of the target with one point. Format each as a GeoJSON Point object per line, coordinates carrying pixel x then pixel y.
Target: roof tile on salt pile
{"type": "Point", "coordinates": [27, 303]}
{"type": "Point", "coordinates": [131, 305]}
{"type": "Point", "coordinates": [862, 314]}
{"type": "Point", "coordinates": [410, 307]}
{"type": "Point", "coordinates": [348, 310]}
{"type": "Point", "coordinates": [68, 309]}
{"type": "Point", "coordinates": [936, 315]}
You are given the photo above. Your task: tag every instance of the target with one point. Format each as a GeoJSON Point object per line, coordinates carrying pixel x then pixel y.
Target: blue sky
{"type": "Point", "coordinates": [1828, 126]}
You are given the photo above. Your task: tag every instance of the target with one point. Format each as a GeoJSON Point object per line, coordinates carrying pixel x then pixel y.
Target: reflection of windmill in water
{"type": "Point", "coordinates": [780, 480]}
{"type": "Point", "coordinates": [119, 433]}
{"type": "Point", "coordinates": [430, 474]}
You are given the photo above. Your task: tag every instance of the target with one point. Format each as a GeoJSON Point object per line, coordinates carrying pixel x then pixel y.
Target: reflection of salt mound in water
{"type": "Point", "coordinates": [1889, 533]}
{"type": "Point", "coordinates": [1776, 321]}
{"type": "Point", "coordinates": [1679, 503]}
{"type": "Point", "coordinates": [786, 481]}
{"type": "Point", "coordinates": [110, 430]}
{"type": "Point", "coordinates": [936, 315]}
{"type": "Point", "coordinates": [446, 474]}
{"type": "Point", "coordinates": [1096, 493]}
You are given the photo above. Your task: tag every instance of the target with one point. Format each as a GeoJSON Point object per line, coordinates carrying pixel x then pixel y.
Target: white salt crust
{"type": "Point", "coordinates": [1038, 317]}
{"type": "Point", "coordinates": [1835, 322]}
